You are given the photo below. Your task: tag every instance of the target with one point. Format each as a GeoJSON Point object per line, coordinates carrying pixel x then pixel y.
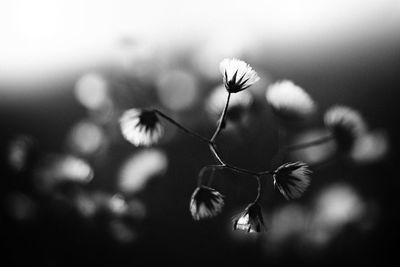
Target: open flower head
{"type": "Point", "coordinates": [290, 101]}
{"type": "Point", "coordinates": [250, 220]}
{"type": "Point", "coordinates": [346, 125]}
{"type": "Point", "coordinates": [205, 202]}
{"type": "Point", "coordinates": [292, 179]}
{"type": "Point", "coordinates": [237, 75]}
{"type": "Point", "coordinates": [141, 127]}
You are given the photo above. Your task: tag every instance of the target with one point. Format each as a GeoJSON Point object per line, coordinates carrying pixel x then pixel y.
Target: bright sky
{"type": "Point", "coordinates": [41, 36]}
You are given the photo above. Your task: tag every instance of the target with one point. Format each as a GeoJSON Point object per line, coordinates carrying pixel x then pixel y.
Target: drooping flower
{"type": "Point", "coordinates": [237, 75]}
{"type": "Point", "coordinates": [289, 101]}
{"type": "Point", "coordinates": [292, 179]}
{"type": "Point", "coordinates": [250, 220]}
{"type": "Point", "coordinates": [141, 127]}
{"type": "Point", "coordinates": [346, 126]}
{"type": "Point", "coordinates": [205, 202]}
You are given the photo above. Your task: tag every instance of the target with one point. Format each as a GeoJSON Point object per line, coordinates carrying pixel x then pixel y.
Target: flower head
{"type": "Point", "coordinates": [237, 75]}
{"type": "Point", "coordinates": [292, 179]}
{"type": "Point", "coordinates": [205, 203]}
{"type": "Point", "coordinates": [250, 220]}
{"type": "Point", "coordinates": [141, 127]}
{"type": "Point", "coordinates": [289, 101]}
{"type": "Point", "coordinates": [346, 125]}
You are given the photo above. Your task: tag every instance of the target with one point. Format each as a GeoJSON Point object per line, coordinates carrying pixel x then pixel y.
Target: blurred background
{"type": "Point", "coordinates": [74, 192]}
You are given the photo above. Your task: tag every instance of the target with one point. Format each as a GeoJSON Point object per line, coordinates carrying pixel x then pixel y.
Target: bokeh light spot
{"type": "Point", "coordinates": [139, 168]}
{"type": "Point", "coordinates": [177, 90]}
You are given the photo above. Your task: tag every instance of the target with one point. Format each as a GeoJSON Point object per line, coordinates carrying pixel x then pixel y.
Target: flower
{"type": "Point", "coordinates": [292, 179]}
{"type": "Point", "coordinates": [346, 125]}
{"type": "Point", "coordinates": [289, 101]}
{"type": "Point", "coordinates": [250, 220]}
{"type": "Point", "coordinates": [141, 127]}
{"type": "Point", "coordinates": [237, 75]}
{"type": "Point", "coordinates": [205, 203]}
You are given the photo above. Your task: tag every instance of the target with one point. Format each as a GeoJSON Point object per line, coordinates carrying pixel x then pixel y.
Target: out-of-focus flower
{"type": "Point", "coordinates": [238, 104]}
{"type": "Point", "coordinates": [250, 220]}
{"type": "Point", "coordinates": [62, 168]}
{"type": "Point", "coordinates": [205, 202]}
{"type": "Point", "coordinates": [141, 127]}
{"type": "Point", "coordinates": [346, 125]}
{"type": "Point", "coordinates": [289, 101]}
{"type": "Point", "coordinates": [85, 204]}
{"type": "Point", "coordinates": [136, 209]}
{"type": "Point", "coordinates": [117, 205]}
{"type": "Point", "coordinates": [91, 90]}
{"type": "Point", "coordinates": [336, 207]}
{"type": "Point", "coordinates": [177, 89]}
{"type": "Point", "coordinates": [139, 168]}
{"type": "Point", "coordinates": [86, 138]}
{"type": "Point", "coordinates": [292, 179]}
{"type": "Point", "coordinates": [122, 232]}
{"type": "Point", "coordinates": [370, 147]}
{"type": "Point", "coordinates": [286, 223]}
{"type": "Point", "coordinates": [19, 151]}
{"type": "Point", "coordinates": [90, 204]}
{"type": "Point", "coordinates": [316, 153]}
{"type": "Point", "coordinates": [237, 75]}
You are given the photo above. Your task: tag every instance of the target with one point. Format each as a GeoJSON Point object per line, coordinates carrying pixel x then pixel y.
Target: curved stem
{"type": "Point", "coordinates": [258, 190]}
{"type": "Point", "coordinates": [211, 144]}
{"type": "Point", "coordinates": [222, 119]}
{"type": "Point", "coordinates": [235, 168]}
{"type": "Point", "coordinates": [216, 154]}
{"type": "Point", "coordinates": [181, 127]}
{"type": "Point", "coordinates": [203, 171]}
{"type": "Point", "coordinates": [309, 144]}
{"type": "Point", "coordinates": [295, 147]}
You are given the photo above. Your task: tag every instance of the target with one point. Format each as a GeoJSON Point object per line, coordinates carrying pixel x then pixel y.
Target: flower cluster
{"type": "Point", "coordinates": [288, 101]}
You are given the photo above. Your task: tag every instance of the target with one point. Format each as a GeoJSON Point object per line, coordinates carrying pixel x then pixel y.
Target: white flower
{"type": "Point", "coordinates": [205, 203]}
{"type": "Point", "coordinates": [292, 179]}
{"type": "Point", "coordinates": [250, 220]}
{"type": "Point", "coordinates": [289, 101]}
{"type": "Point", "coordinates": [141, 127]}
{"type": "Point", "coordinates": [237, 75]}
{"type": "Point", "coordinates": [346, 125]}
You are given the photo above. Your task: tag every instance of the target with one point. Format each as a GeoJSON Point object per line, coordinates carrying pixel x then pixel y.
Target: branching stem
{"type": "Point", "coordinates": [213, 148]}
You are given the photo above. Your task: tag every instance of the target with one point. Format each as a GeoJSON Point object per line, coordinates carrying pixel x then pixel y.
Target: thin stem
{"type": "Point", "coordinates": [211, 179]}
{"type": "Point", "coordinates": [216, 154]}
{"type": "Point", "coordinates": [211, 144]}
{"type": "Point", "coordinates": [181, 127]}
{"type": "Point", "coordinates": [203, 171]}
{"type": "Point", "coordinates": [309, 144]}
{"type": "Point", "coordinates": [235, 168]}
{"type": "Point", "coordinates": [222, 119]}
{"type": "Point", "coordinates": [258, 190]}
